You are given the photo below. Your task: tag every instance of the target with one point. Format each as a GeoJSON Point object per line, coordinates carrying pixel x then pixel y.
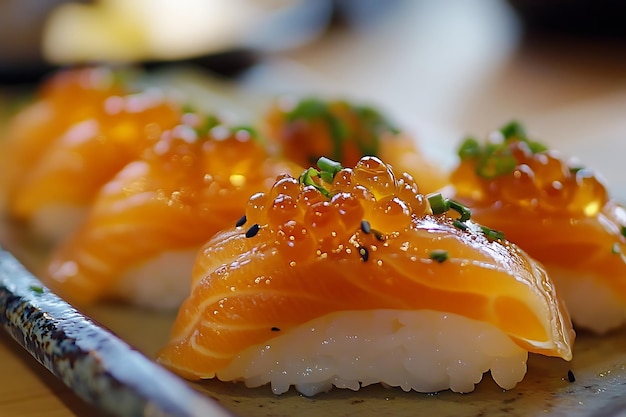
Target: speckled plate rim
{"type": "Point", "coordinates": [94, 363]}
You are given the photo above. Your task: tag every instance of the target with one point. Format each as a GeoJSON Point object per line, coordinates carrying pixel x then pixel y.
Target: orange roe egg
{"type": "Point", "coordinates": [333, 210]}
{"type": "Point", "coordinates": [390, 214]}
{"type": "Point", "coordinates": [323, 219]}
{"type": "Point", "coordinates": [286, 185]}
{"type": "Point", "coordinates": [375, 175]}
{"type": "Point", "coordinates": [408, 191]}
{"type": "Point", "coordinates": [349, 208]}
{"type": "Point", "coordinates": [283, 209]}
{"type": "Point", "coordinates": [256, 210]}
{"type": "Point", "coordinates": [589, 195]}
{"type": "Point", "coordinates": [309, 196]}
{"type": "Point", "coordinates": [541, 180]}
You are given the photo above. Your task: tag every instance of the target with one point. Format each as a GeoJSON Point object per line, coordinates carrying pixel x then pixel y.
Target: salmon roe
{"type": "Point", "coordinates": [311, 128]}
{"type": "Point", "coordinates": [309, 213]}
{"type": "Point", "coordinates": [537, 178]}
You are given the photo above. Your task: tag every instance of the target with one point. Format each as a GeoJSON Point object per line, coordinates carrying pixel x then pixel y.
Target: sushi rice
{"type": "Point", "coordinates": [421, 350]}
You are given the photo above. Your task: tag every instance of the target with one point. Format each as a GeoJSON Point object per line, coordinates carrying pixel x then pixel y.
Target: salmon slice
{"type": "Point", "coordinates": [339, 240]}
{"type": "Point", "coordinates": [185, 188]}
{"type": "Point", "coordinates": [557, 211]}
{"type": "Point", "coordinates": [60, 160]}
{"type": "Point", "coordinates": [310, 128]}
{"type": "Point", "coordinates": [66, 98]}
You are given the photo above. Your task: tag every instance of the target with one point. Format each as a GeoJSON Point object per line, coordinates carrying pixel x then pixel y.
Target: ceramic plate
{"type": "Point", "coordinates": [105, 355]}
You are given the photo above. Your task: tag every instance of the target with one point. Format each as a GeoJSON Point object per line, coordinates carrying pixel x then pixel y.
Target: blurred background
{"type": "Point", "coordinates": [442, 69]}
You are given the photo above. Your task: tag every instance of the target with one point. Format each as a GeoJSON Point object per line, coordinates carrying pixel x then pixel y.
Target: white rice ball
{"type": "Point", "coordinates": [590, 302]}
{"type": "Point", "coordinates": [425, 351]}
{"type": "Point", "coordinates": [160, 283]}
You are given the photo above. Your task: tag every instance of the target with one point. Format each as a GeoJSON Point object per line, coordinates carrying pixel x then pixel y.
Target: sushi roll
{"type": "Point", "coordinates": [51, 188]}
{"type": "Point", "coordinates": [349, 277]}
{"type": "Point", "coordinates": [556, 210]}
{"type": "Point", "coordinates": [306, 129]}
{"type": "Point", "coordinates": [141, 235]}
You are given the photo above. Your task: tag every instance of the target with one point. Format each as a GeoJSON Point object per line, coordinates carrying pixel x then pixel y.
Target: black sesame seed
{"type": "Point", "coordinates": [253, 230]}
{"type": "Point", "coordinates": [570, 376]}
{"type": "Point", "coordinates": [275, 329]}
{"type": "Point", "coordinates": [365, 226]}
{"type": "Point", "coordinates": [379, 236]}
{"type": "Point", "coordinates": [365, 255]}
{"type": "Point", "coordinates": [241, 221]}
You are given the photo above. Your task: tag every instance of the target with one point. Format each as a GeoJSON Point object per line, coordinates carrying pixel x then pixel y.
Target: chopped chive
{"type": "Point", "coordinates": [570, 376]}
{"type": "Point", "coordinates": [275, 329]}
{"type": "Point", "coordinates": [375, 125]}
{"type": "Point", "coordinates": [623, 231]}
{"type": "Point", "coordinates": [496, 159]}
{"type": "Point", "coordinates": [241, 221]}
{"type": "Point", "coordinates": [438, 204]}
{"type": "Point", "coordinates": [365, 255]}
{"type": "Point", "coordinates": [439, 255]}
{"type": "Point", "coordinates": [208, 123]}
{"type": "Point", "coordinates": [536, 147]}
{"type": "Point", "coordinates": [492, 234]}
{"type": "Point", "coordinates": [513, 129]}
{"type": "Point", "coordinates": [459, 225]}
{"type": "Point", "coordinates": [366, 227]}
{"type": "Point", "coordinates": [188, 108]}
{"type": "Point", "coordinates": [469, 149]}
{"type": "Point", "coordinates": [461, 209]}
{"type": "Point", "coordinates": [36, 289]}
{"type": "Point", "coordinates": [306, 178]}
{"type": "Point", "coordinates": [253, 230]}
{"type": "Point", "coordinates": [329, 168]}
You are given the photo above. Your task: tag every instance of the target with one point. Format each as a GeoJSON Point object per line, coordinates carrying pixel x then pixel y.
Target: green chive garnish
{"type": "Point", "coordinates": [459, 225]}
{"type": "Point", "coordinates": [470, 149]}
{"type": "Point", "coordinates": [513, 129]}
{"type": "Point", "coordinates": [491, 233]}
{"type": "Point", "coordinates": [36, 289]}
{"type": "Point", "coordinates": [623, 231]}
{"type": "Point", "coordinates": [461, 209]}
{"type": "Point", "coordinates": [438, 255]}
{"type": "Point", "coordinates": [329, 168]}
{"type": "Point", "coordinates": [438, 204]}
{"type": "Point", "coordinates": [496, 159]}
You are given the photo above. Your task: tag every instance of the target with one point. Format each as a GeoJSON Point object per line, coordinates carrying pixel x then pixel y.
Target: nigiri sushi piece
{"type": "Point", "coordinates": [140, 237]}
{"type": "Point", "coordinates": [557, 211]}
{"type": "Point", "coordinates": [310, 128]}
{"type": "Point", "coordinates": [345, 277]}
{"type": "Point", "coordinates": [66, 98]}
{"type": "Point", "coordinates": [56, 184]}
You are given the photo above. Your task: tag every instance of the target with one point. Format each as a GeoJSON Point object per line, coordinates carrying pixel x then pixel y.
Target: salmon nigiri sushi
{"type": "Point", "coordinates": [140, 237]}
{"type": "Point", "coordinates": [309, 128]}
{"type": "Point", "coordinates": [51, 188]}
{"type": "Point", "coordinates": [66, 98]}
{"type": "Point", "coordinates": [349, 277]}
{"type": "Point", "coordinates": [557, 211]}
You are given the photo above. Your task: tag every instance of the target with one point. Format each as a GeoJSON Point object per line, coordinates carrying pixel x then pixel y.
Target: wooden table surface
{"type": "Point", "coordinates": [571, 93]}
